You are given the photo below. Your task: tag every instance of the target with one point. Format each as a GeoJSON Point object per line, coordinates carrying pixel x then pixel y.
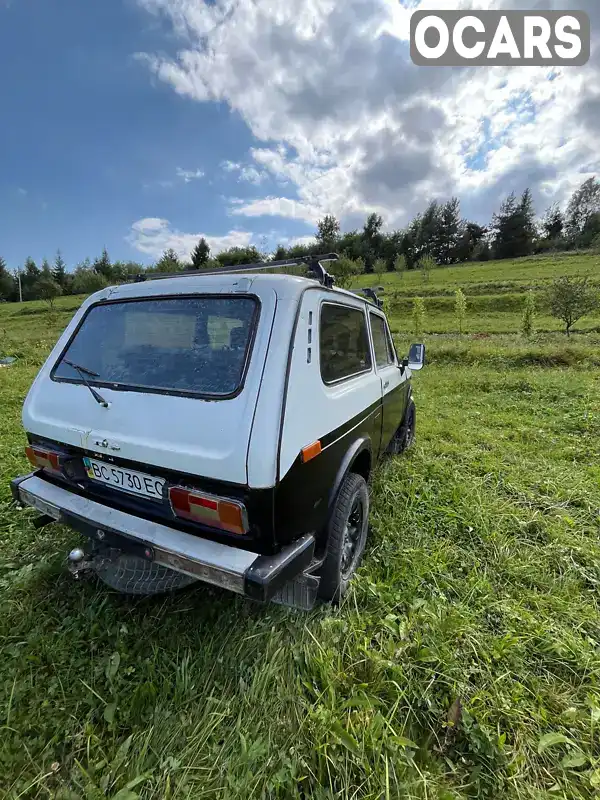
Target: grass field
{"type": "Point", "coordinates": [465, 662]}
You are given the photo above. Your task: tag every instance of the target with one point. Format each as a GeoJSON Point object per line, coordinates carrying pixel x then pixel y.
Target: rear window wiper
{"type": "Point", "coordinates": [82, 372]}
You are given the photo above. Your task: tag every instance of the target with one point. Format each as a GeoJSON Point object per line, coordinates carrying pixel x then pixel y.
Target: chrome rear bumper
{"type": "Point", "coordinates": [238, 570]}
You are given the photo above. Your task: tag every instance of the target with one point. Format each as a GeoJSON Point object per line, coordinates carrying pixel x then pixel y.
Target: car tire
{"type": "Point", "coordinates": [406, 435]}
{"type": "Point", "coordinates": [346, 537]}
{"type": "Point", "coordinates": [132, 575]}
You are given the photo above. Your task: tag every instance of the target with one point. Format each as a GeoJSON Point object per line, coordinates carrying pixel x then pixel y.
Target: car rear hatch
{"type": "Point", "coordinates": [169, 379]}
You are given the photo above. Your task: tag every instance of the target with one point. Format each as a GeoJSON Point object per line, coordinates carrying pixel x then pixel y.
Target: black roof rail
{"type": "Point", "coordinates": [314, 263]}
{"type": "Point", "coordinates": [371, 293]}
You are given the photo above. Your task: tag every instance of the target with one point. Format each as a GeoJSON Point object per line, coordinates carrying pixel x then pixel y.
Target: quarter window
{"type": "Point", "coordinates": [344, 342]}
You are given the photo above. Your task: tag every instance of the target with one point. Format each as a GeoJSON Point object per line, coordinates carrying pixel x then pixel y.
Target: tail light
{"type": "Point", "coordinates": [216, 512]}
{"type": "Point", "coordinates": [41, 458]}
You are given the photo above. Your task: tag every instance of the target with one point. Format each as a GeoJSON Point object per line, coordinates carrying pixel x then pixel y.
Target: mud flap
{"type": "Point", "coordinates": [300, 593]}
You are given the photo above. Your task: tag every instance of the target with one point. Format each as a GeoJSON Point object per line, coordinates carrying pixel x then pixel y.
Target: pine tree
{"type": "Point", "coordinates": [200, 254]}
{"type": "Point", "coordinates": [514, 227]}
{"type": "Point", "coordinates": [168, 262]}
{"type": "Point", "coordinates": [460, 309]}
{"type": "Point", "coordinates": [553, 223]}
{"type": "Point", "coordinates": [7, 282]}
{"type": "Point", "coordinates": [427, 229]}
{"type": "Point", "coordinates": [103, 266]}
{"type": "Point", "coordinates": [59, 273]}
{"type": "Point", "coordinates": [46, 272]}
{"type": "Point", "coordinates": [448, 232]}
{"type": "Point", "coordinates": [527, 230]}
{"type": "Point", "coordinates": [29, 277]}
{"type": "Point", "coordinates": [528, 321]}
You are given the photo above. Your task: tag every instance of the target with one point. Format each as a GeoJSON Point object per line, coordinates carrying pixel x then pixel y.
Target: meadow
{"type": "Point", "coordinates": [464, 662]}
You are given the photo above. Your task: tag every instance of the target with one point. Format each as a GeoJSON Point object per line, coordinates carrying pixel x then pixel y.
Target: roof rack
{"type": "Point", "coordinates": [371, 293]}
{"type": "Point", "coordinates": [313, 262]}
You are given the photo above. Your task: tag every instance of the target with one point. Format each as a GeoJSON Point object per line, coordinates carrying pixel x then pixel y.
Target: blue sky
{"type": "Point", "coordinates": [91, 142]}
{"type": "Point", "coordinates": [142, 124]}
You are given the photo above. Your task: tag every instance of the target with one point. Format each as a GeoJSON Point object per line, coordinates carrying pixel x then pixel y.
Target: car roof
{"type": "Point", "coordinates": [289, 286]}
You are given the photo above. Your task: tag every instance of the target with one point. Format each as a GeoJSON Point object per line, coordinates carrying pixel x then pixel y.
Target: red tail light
{"type": "Point", "coordinates": [44, 459]}
{"type": "Point", "coordinates": [216, 512]}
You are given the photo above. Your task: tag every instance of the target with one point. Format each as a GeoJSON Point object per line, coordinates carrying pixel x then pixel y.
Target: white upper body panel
{"type": "Point", "coordinates": [197, 436]}
{"type": "Point", "coordinates": [313, 408]}
{"type": "Point", "coordinates": [234, 439]}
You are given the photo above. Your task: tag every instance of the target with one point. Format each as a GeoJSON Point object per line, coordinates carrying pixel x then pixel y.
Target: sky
{"type": "Point", "coordinates": [139, 125]}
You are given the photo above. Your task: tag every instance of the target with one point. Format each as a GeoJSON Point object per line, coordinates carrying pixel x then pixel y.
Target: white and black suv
{"type": "Point", "coordinates": [219, 427]}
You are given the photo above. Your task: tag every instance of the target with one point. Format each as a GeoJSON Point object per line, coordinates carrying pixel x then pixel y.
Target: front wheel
{"type": "Point", "coordinates": [406, 435]}
{"type": "Point", "coordinates": [346, 537]}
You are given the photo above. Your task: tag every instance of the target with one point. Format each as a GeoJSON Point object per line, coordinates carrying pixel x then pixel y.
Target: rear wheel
{"type": "Point", "coordinates": [132, 575]}
{"type": "Point", "coordinates": [346, 537]}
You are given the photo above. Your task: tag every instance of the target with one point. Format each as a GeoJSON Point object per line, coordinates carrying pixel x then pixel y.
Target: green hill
{"type": "Point", "coordinates": [495, 292]}
{"type": "Point", "coordinates": [464, 662]}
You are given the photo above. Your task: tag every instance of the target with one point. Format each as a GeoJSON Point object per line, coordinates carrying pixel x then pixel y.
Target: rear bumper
{"type": "Point", "coordinates": [240, 571]}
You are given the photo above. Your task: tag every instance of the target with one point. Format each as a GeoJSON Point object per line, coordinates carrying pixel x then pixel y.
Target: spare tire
{"type": "Point", "coordinates": [132, 575]}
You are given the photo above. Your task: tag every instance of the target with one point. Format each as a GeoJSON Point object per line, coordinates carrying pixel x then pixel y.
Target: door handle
{"type": "Point", "coordinates": [386, 384]}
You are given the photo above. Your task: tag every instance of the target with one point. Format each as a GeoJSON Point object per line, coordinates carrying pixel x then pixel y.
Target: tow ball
{"type": "Point", "coordinates": [78, 563]}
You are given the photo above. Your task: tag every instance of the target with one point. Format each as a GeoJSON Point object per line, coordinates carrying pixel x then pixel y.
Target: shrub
{"type": "Point", "coordinates": [87, 281]}
{"type": "Point", "coordinates": [460, 309]}
{"type": "Point", "coordinates": [48, 289]}
{"type": "Point", "coordinates": [527, 324]}
{"type": "Point", "coordinates": [418, 315]}
{"type": "Point", "coordinates": [400, 265]}
{"type": "Point", "coordinates": [570, 299]}
{"type": "Point", "coordinates": [426, 264]}
{"type": "Point", "coordinates": [344, 269]}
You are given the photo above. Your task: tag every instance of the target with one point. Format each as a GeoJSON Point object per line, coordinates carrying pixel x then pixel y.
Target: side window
{"type": "Point", "coordinates": [381, 341]}
{"type": "Point", "coordinates": [344, 342]}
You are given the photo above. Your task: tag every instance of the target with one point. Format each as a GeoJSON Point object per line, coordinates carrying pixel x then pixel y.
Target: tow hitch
{"type": "Point", "coordinates": [80, 562]}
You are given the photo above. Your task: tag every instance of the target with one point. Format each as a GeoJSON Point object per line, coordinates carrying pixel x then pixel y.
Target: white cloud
{"type": "Point", "coordinates": [189, 174]}
{"type": "Point", "coordinates": [246, 172]}
{"type": "Point", "coordinates": [352, 126]}
{"type": "Point", "coordinates": [153, 236]}
{"type": "Point", "coordinates": [22, 192]}
{"type": "Point", "coordinates": [276, 207]}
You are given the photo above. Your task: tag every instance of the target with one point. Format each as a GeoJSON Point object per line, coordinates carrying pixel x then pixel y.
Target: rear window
{"type": "Point", "coordinates": [196, 345]}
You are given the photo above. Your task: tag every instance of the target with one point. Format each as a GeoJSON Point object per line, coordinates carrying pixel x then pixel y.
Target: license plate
{"type": "Point", "coordinates": [127, 480]}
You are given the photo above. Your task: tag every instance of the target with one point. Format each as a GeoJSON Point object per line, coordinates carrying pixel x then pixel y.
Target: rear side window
{"type": "Point", "coordinates": [195, 345]}
{"type": "Point", "coordinates": [344, 342]}
{"type": "Point", "coordinates": [382, 345]}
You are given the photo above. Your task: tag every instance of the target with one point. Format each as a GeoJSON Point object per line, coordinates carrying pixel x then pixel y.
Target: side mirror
{"type": "Point", "coordinates": [416, 357]}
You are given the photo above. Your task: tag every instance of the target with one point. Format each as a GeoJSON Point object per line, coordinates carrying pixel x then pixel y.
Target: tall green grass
{"type": "Point", "coordinates": [464, 663]}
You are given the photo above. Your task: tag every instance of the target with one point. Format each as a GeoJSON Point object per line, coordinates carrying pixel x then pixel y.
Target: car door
{"type": "Point", "coordinates": [394, 383]}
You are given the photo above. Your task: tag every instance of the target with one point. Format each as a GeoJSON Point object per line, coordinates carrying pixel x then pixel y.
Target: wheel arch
{"type": "Point", "coordinates": [358, 458]}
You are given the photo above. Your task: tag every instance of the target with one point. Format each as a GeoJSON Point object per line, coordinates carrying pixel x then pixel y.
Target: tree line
{"type": "Point", "coordinates": [439, 236]}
